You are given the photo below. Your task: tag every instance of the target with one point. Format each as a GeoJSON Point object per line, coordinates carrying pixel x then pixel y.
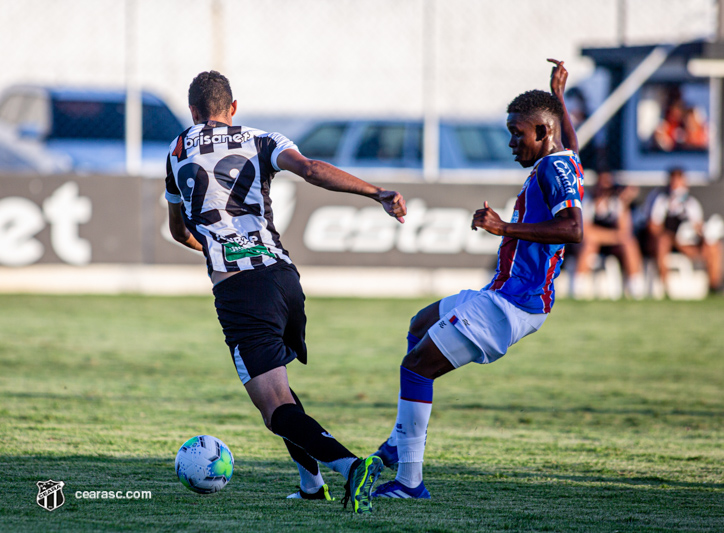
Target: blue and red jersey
{"type": "Point", "coordinates": [526, 270]}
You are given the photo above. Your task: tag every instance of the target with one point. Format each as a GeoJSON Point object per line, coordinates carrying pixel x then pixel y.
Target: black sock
{"type": "Point", "coordinates": [290, 422]}
{"type": "Point", "coordinates": [297, 454]}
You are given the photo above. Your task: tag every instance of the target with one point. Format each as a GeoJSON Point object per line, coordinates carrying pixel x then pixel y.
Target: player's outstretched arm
{"type": "Point", "coordinates": [565, 227]}
{"type": "Point", "coordinates": [331, 178]}
{"type": "Point", "coordinates": [179, 231]}
{"type": "Point", "coordinates": [559, 76]}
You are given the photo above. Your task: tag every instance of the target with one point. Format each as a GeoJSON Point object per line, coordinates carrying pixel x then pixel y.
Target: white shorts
{"type": "Point", "coordinates": [480, 326]}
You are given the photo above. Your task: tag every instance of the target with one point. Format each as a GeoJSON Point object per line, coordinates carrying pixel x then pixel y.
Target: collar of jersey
{"type": "Point", "coordinates": [218, 124]}
{"type": "Point", "coordinates": [562, 152]}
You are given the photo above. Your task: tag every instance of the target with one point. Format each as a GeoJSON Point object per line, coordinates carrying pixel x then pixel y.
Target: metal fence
{"type": "Point", "coordinates": [290, 62]}
{"type": "Point", "coordinates": [292, 59]}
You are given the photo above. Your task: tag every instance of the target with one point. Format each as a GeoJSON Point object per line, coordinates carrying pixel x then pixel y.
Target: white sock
{"type": "Point", "coordinates": [392, 440]}
{"type": "Point", "coordinates": [409, 474]}
{"type": "Point", "coordinates": [583, 287]}
{"type": "Point", "coordinates": [308, 482]}
{"type": "Point", "coordinates": [636, 286]}
{"type": "Point", "coordinates": [343, 466]}
{"type": "Point", "coordinates": [411, 429]}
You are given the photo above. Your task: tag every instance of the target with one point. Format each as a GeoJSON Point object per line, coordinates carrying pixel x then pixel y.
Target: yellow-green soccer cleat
{"type": "Point", "coordinates": [321, 494]}
{"type": "Point", "coordinates": [362, 477]}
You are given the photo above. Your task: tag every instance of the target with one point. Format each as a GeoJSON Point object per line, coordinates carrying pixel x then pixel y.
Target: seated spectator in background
{"type": "Point", "coordinates": [608, 229]}
{"type": "Point", "coordinates": [682, 127]}
{"type": "Point", "coordinates": [670, 134]}
{"type": "Point", "coordinates": [676, 222]}
{"type": "Point", "coordinates": [696, 131]}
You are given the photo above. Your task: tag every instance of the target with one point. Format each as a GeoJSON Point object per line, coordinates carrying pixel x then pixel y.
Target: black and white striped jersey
{"type": "Point", "coordinates": [222, 174]}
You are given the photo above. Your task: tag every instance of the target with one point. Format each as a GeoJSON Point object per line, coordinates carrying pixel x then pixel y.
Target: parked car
{"type": "Point", "coordinates": [21, 157]}
{"type": "Point", "coordinates": [398, 144]}
{"type": "Point", "coordinates": [88, 126]}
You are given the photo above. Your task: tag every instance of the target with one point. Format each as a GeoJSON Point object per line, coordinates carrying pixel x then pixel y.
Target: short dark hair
{"type": "Point", "coordinates": [536, 101]}
{"type": "Point", "coordinates": [676, 171]}
{"type": "Point", "coordinates": [210, 93]}
{"type": "Point", "coordinates": [673, 173]}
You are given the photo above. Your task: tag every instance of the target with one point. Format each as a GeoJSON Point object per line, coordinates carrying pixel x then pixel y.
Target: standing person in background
{"type": "Point", "coordinates": [608, 228]}
{"type": "Point", "coordinates": [676, 222]}
{"type": "Point", "coordinates": [479, 326]}
{"type": "Point", "coordinates": [217, 187]}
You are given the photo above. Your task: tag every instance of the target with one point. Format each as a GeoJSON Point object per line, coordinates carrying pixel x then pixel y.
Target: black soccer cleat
{"type": "Point", "coordinates": [321, 494]}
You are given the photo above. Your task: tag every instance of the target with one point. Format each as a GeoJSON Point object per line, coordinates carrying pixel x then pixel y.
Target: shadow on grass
{"type": "Point", "coordinates": [646, 482]}
{"type": "Point", "coordinates": [219, 397]}
{"type": "Point", "coordinates": [584, 409]}
{"type": "Point", "coordinates": [528, 409]}
{"type": "Point", "coordinates": [464, 499]}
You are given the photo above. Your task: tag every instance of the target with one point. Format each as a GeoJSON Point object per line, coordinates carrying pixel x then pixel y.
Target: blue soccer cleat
{"type": "Point", "coordinates": [388, 454]}
{"type": "Point", "coordinates": [395, 489]}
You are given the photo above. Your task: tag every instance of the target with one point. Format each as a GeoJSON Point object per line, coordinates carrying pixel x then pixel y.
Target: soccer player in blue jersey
{"type": "Point", "coordinates": [217, 187]}
{"type": "Point", "coordinates": [479, 326]}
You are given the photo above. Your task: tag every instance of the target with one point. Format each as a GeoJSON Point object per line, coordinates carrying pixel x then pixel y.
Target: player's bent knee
{"type": "Point", "coordinates": [425, 319]}
{"type": "Point", "coordinates": [282, 416]}
{"type": "Point", "coordinates": [412, 361]}
{"type": "Point", "coordinates": [269, 413]}
{"type": "Point", "coordinates": [417, 361]}
{"type": "Point", "coordinates": [267, 417]}
{"type": "Point", "coordinates": [415, 324]}
{"type": "Point", "coordinates": [427, 360]}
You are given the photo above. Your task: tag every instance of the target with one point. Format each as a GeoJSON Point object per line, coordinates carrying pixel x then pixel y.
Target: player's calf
{"type": "Point", "coordinates": [293, 424]}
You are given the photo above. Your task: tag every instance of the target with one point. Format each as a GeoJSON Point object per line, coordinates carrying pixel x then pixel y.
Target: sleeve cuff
{"type": "Point", "coordinates": [566, 204]}
{"type": "Point", "coordinates": [173, 198]}
{"type": "Point", "coordinates": [278, 150]}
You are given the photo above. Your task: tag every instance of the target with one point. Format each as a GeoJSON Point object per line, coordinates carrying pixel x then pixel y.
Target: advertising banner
{"type": "Point", "coordinates": [85, 220]}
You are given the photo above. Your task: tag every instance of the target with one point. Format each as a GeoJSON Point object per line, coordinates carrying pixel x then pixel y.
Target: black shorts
{"type": "Point", "coordinates": [262, 315]}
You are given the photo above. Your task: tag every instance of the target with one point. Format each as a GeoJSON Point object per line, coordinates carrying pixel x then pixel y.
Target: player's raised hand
{"type": "Point", "coordinates": [488, 219]}
{"type": "Point", "coordinates": [559, 76]}
{"type": "Point", "coordinates": [394, 204]}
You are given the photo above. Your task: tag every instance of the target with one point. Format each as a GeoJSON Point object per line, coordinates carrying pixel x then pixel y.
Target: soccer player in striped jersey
{"type": "Point", "coordinates": [217, 187]}
{"type": "Point", "coordinates": [480, 326]}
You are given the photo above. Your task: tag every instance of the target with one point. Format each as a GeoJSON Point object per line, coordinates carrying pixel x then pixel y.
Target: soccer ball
{"type": "Point", "coordinates": [204, 464]}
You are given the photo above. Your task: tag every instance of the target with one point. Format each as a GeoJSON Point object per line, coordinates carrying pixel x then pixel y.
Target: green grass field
{"type": "Point", "coordinates": [611, 418]}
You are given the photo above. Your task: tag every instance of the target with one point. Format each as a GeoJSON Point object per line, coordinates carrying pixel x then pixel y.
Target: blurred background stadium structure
{"type": "Point", "coordinates": [76, 199]}
{"type": "Point", "coordinates": [331, 57]}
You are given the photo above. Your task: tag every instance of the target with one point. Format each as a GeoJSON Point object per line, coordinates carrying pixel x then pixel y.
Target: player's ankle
{"type": "Point", "coordinates": [409, 474]}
